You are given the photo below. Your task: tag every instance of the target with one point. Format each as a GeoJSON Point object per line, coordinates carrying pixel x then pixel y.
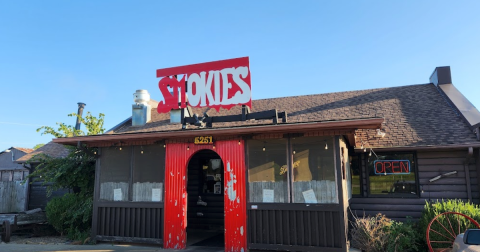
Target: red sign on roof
{"type": "Point", "coordinates": [217, 84]}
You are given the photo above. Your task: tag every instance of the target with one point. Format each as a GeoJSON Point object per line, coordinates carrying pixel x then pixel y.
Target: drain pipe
{"type": "Point", "coordinates": [467, 173]}
{"type": "Point", "coordinates": [81, 106]}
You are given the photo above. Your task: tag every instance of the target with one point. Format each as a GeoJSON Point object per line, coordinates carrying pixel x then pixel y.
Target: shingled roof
{"type": "Point", "coordinates": [24, 150]}
{"type": "Point", "coordinates": [414, 116]}
{"type": "Point", "coordinates": [50, 149]}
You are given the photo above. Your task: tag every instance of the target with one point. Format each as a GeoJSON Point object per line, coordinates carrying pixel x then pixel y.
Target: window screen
{"type": "Point", "coordinates": [314, 178]}
{"type": "Point", "coordinates": [267, 172]}
{"type": "Point", "coordinates": [115, 173]}
{"type": "Point", "coordinates": [148, 173]}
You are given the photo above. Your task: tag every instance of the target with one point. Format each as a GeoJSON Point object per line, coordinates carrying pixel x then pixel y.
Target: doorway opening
{"type": "Point", "coordinates": [205, 207]}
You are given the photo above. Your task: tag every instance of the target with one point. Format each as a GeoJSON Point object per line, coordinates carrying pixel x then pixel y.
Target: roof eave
{"type": "Point", "coordinates": [420, 147]}
{"type": "Point", "coordinates": [368, 123]}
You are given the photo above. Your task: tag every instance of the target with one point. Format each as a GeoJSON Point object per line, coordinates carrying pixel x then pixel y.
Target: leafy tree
{"type": "Point", "coordinates": [92, 124]}
{"type": "Point", "coordinates": [76, 171]}
{"type": "Point", "coordinates": [38, 146]}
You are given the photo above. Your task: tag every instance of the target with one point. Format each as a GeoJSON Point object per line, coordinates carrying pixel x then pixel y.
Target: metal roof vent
{"type": "Point", "coordinates": [141, 110]}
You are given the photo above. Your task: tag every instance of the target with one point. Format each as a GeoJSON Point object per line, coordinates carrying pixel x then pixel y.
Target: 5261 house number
{"type": "Point", "coordinates": [203, 140]}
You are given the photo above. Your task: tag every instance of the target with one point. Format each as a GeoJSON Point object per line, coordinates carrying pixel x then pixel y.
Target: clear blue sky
{"type": "Point", "coordinates": [54, 54]}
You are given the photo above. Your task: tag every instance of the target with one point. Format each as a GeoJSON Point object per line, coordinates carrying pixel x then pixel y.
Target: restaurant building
{"type": "Point", "coordinates": [281, 173]}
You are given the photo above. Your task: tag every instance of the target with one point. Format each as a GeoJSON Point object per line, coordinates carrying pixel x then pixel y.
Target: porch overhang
{"type": "Point", "coordinates": [98, 140]}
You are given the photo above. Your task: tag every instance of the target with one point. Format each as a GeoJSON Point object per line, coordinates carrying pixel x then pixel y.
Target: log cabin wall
{"type": "Point", "coordinates": [429, 164]}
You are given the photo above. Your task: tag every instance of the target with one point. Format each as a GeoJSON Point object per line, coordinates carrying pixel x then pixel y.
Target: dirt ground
{"type": "Point", "coordinates": [41, 234]}
{"type": "Point", "coordinates": [41, 240]}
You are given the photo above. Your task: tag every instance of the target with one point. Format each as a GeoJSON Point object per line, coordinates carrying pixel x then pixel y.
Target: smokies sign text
{"type": "Point", "coordinates": [218, 84]}
{"type": "Point", "coordinates": [384, 167]}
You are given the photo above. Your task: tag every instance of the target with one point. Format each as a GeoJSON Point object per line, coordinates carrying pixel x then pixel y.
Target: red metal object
{"type": "Point", "coordinates": [233, 157]}
{"type": "Point", "coordinates": [446, 231]}
{"type": "Point", "coordinates": [217, 84]}
{"type": "Point", "coordinates": [177, 158]}
{"type": "Point", "coordinates": [174, 235]}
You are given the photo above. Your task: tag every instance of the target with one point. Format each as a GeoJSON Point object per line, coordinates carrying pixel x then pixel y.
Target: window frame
{"type": "Point", "coordinates": [362, 164]}
{"type": "Point", "coordinates": [417, 182]}
{"type": "Point", "coordinates": [289, 161]}
{"type": "Point", "coordinates": [132, 149]}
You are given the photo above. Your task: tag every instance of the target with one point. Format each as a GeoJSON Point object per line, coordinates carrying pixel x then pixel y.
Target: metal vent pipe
{"type": "Point", "coordinates": [81, 106]}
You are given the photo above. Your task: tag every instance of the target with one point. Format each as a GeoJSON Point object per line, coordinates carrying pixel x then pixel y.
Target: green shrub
{"type": "Point", "coordinates": [370, 233]}
{"type": "Point", "coordinates": [402, 237]}
{"type": "Point", "coordinates": [71, 215]}
{"type": "Point", "coordinates": [380, 234]}
{"type": "Point", "coordinates": [433, 209]}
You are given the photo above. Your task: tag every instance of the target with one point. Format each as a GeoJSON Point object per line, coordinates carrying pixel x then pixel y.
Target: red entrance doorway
{"type": "Point", "coordinates": [178, 155]}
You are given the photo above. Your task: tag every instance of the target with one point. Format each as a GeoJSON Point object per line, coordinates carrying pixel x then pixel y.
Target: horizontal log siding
{"type": "Point", "coordinates": [430, 164]}
{"type": "Point", "coordinates": [284, 229]}
{"type": "Point", "coordinates": [125, 222]}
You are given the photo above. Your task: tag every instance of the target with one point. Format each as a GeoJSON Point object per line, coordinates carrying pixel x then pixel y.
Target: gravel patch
{"type": "Point", "coordinates": [50, 240]}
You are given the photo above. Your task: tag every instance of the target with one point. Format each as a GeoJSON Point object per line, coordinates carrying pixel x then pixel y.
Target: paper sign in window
{"type": "Point", "coordinates": [156, 194]}
{"type": "Point", "coordinates": [117, 194]}
{"type": "Point", "coordinates": [268, 195]}
{"type": "Point", "coordinates": [309, 196]}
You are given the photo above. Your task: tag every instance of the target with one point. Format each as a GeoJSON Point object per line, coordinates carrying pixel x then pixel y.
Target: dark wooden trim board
{"type": "Point", "coordinates": [423, 148]}
{"type": "Point", "coordinates": [371, 123]}
{"type": "Point", "coordinates": [96, 196]}
{"type": "Point", "coordinates": [295, 207]}
{"type": "Point", "coordinates": [262, 247]}
{"type": "Point", "coordinates": [342, 202]}
{"type": "Point", "coordinates": [129, 204]}
{"type": "Point", "coordinates": [477, 161]}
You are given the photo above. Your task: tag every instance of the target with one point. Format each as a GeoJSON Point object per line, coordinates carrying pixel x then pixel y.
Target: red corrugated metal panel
{"type": "Point", "coordinates": [176, 161]}
{"type": "Point", "coordinates": [174, 235]}
{"type": "Point", "coordinates": [233, 157]}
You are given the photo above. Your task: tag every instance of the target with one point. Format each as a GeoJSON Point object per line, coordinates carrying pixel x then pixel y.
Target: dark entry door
{"type": "Point", "coordinates": [205, 192]}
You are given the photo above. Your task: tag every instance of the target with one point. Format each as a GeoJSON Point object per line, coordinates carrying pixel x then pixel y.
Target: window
{"type": "Point", "coordinates": [148, 173]}
{"type": "Point", "coordinates": [314, 179]}
{"type": "Point", "coordinates": [392, 174]}
{"type": "Point", "coordinates": [145, 163]}
{"type": "Point", "coordinates": [356, 171]}
{"type": "Point", "coordinates": [303, 172]}
{"type": "Point", "coordinates": [115, 173]}
{"type": "Point", "coordinates": [267, 172]}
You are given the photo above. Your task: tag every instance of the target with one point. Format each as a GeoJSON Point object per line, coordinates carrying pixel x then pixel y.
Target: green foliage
{"type": "Point", "coordinates": [369, 233]}
{"type": "Point", "coordinates": [71, 215]}
{"type": "Point", "coordinates": [433, 209]}
{"type": "Point", "coordinates": [38, 146]}
{"type": "Point", "coordinates": [93, 125]}
{"type": "Point", "coordinates": [380, 234]}
{"type": "Point", "coordinates": [76, 171]}
{"type": "Point", "coordinates": [402, 237]}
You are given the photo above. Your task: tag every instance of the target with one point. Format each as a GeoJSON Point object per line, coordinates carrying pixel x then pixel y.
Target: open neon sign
{"type": "Point", "coordinates": [218, 84]}
{"type": "Point", "coordinates": [385, 167]}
